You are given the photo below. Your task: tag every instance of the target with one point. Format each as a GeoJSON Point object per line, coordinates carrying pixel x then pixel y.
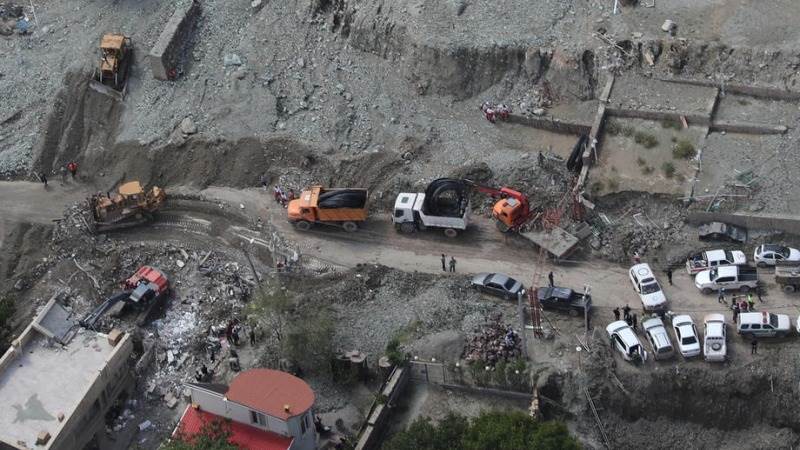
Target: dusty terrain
{"type": "Point", "coordinates": [385, 95]}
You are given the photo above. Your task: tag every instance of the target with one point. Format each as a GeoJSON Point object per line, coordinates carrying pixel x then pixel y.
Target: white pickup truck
{"type": "Point", "coordinates": [714, 258]}
{"type": "Point", "coordinates": [729, 277]}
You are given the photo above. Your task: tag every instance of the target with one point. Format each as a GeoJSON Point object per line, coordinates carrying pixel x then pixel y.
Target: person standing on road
{"type": "Point", "coordinates": [736, 311]}
{"type": "Point", "coordinates": [264, 181]}
{"type": "Point", "coordinates": [550, 279]}
{"type": "Point", "coordinates": [616, 313]}
{"type": "Point", "coordinates": [633, 321]}
{"type": "Point", "coordinates": [751, 304]}
{"type": "Point", "coordinates": [636, 258]}
{"type": "Point", "coordinates": [626, 312]}
{"type": "Point", "coordinates": [721, 296]}
{"type": "Point", "coordinates": [754, 347]}
{"type": "Point", "coordinates": [63, 171]}
{"type": "Point", "coordinates": [669, 275]}
{"type": "Point", "coordinates": [72, 167]}
{"type": "Point", "coordinates": [43, 177]}
{"type": "Point", "coordinates": [452, 264]}
{"type": "Point", "coordinates": [444, 263]}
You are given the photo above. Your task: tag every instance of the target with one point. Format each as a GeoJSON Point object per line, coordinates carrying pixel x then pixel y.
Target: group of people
{"type": "Point", "coordinates": [282, 197]}
{"type": "Point", "coordinates": [491, 111]}
{"type": "Point", "coordinates": [233, 332]}
{"type": "Point", "coordinates": [71, 168]}
{"type": "Point", "coordinates": [632, 319]}
{"type": "Point", "coordinates": [451, 264]}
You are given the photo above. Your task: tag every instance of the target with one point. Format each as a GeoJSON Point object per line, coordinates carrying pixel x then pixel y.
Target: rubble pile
{"type": "Point", "coordinates": [494, 342]}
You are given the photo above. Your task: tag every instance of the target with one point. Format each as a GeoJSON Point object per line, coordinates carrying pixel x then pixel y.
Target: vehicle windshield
{"type": "Point", "coordinates": [784, 251]}
{"type": "Point", "coordinates": [650, 288]}
{"type": "Point", "coordinates": [688, 340]}
{"type": "Point", "coordinates": [728, 256]}
{"type": "Point", "coordinates": [509, 284]}
{"type": "Point", "coordinates": [773, 320]}
{"type": "Point", "coordinates": [713, 274]}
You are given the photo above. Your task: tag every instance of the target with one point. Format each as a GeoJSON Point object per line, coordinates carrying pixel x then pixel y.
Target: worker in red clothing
{"type": "Point", "coordinates": [72, 167]}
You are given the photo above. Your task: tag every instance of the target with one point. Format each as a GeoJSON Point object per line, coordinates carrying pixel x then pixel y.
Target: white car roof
{"type": "Point", "coordinates": [682, 319]}
{"type": "Point", "coordinates": [652, 323]}
{"type": "Point", "coordinates": [642, 271]}
{"type": "Point", "coordinates": [715, 317]}
{"type": "Point", "coordinates": [624, 331]}
{"type": "Point", "coordinates": [715, 255]}
{"type": "Point", "coordinates": [714, 329]}
{"type": "Point", "coordinates": [727, 271]}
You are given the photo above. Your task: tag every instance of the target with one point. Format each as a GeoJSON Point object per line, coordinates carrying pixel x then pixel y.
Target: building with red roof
{"type": "Point", "coordinates": [268, 409]}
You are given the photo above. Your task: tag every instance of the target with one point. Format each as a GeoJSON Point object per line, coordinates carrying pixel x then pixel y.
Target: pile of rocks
{"type": "Point", "coordinates": [494, 342]}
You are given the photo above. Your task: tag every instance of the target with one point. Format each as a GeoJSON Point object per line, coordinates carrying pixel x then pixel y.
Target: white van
{"type": "Point", "coordinates": [658, 338]}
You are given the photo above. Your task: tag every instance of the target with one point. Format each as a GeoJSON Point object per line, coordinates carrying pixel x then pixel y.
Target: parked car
{"type": "Point", "coordinates": [768, 254]}
{"type": "Point", "coordinates": [497, 284]}
{"type": "Point", "coordinates": [763, 324]}
{"type": "Point", "coordinates": [625, 341]}
{"type": "Point", "coordinates": [658, 337]}
{"type": "Point", "coordinates": [565, 299]}
{"type": "Point", "coordinates": [714, 338]}
{"type": "Point", "coordinates": [729, 277]}
{"type": "Point", "coordinates": [646, 285]}
{"type": "Point", "coordinates": [788, 278]}
{"type": "Point", "coordinates": [714, 258]}
{"type": "Point", "coordinates": [719, 231]}
{"type": "Point", "coordinates": [686, 334]}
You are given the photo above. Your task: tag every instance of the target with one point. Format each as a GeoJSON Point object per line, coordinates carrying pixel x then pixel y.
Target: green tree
{"type": "Point", "coordinates": [493, 430]}
{"type": "Point", "coordinates": [423, 435]}
{"type": "Point", "coordinates": [214, 435]}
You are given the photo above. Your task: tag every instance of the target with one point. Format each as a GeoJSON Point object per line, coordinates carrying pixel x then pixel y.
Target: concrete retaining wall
{"type": "Point", "coordinates": [741, 89]}
{"type": "Point", "coordinates": [165, 54]}
{"type": "Point", "coordinates": [551, 124]}
{"type": "Point", "coordinates": [373, 427]}
{"type": "Point", "coordinates": [766, 222]}
{"type": "Point", "coordinates": [693, 119]}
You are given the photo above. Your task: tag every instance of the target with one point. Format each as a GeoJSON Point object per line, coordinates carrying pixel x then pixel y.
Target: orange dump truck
{"type": "Point", "coordinates": [345, 208]}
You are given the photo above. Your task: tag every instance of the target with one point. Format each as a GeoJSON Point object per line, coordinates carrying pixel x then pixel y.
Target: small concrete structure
{"type": "Point", "coordinates": [57, 381]}
{"type": "Point", "coordinates": [165, 54]}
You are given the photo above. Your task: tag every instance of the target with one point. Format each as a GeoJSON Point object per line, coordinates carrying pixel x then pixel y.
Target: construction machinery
{"type": "Point", "coordinates": [131, 205]}
{"type": "Point", "coordinates": [142, 292]}
{"type": "Point", "coordinates": [444, 204]}
{"type": "Point", "coordinates": [512, 211]}
{"type": "Point", "coordinates": [111, 76]}
{"type": "Point", "coordinates": [345, 208]}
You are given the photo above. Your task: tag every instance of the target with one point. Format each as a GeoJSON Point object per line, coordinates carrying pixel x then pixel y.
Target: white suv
{"type": "Point", "coordinates": [658, 338]}
{"type": "Point", "coordinates": [686, 334]}
{"type": "Point", "coordinates": [625, 341]}
{"type": "Point", "coordinates": [714, 337]}
{"type": "Point", "coordinates": [646, 285]}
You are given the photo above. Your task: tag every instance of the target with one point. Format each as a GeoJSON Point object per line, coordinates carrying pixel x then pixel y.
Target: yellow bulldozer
{"type": "Point", "coordinates": [131, 205]}
{"type": "Point", "coordinates": [111, 75]}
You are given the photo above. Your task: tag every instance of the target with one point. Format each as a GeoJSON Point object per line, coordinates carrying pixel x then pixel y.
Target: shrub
{"type": "Point", "coordinates": [597, 187]}
{"type": "Point", "coordinates": [683, 150]}
{"type": "Point", "coordinates": [613, 184]}
{"type": "Point", "coordinates": [671, 123]}
{"type": "Point", "coordinates": [647, 170]}
{"type": "Point", "coordinates": [669, 169]}
{"type": "Point", "coordinates": [628, 131]}
{"type": "Point", "coordinates": [613, 128]}
{"type": "Point", "coordinates": [646, 140]}
{"type": "Point", "coordinates": [640, 161]}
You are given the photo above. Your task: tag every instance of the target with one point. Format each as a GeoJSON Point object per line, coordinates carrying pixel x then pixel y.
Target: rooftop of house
{"type": "Point", "coordinates": [242, 435]}
{"type": "Point", "coordinates": [273, 392]}
{"type": "Point", "coordinates": [47, 372]}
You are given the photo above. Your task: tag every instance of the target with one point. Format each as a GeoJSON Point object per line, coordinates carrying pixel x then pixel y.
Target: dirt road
{"type": "Point", "coordinates": [484, 249]}
{"type": "Point", "coordinates": [28, 202]}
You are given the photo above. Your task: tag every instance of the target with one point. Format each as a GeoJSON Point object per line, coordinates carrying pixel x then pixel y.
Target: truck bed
{"type": "Point", "coordinates": [341, 205]}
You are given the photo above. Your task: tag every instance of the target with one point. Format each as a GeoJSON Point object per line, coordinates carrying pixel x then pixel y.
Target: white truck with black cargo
{"type": "Point", "coordinates": [731, 278]}
{"type": "Point", "coordinates": [444, 205]}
